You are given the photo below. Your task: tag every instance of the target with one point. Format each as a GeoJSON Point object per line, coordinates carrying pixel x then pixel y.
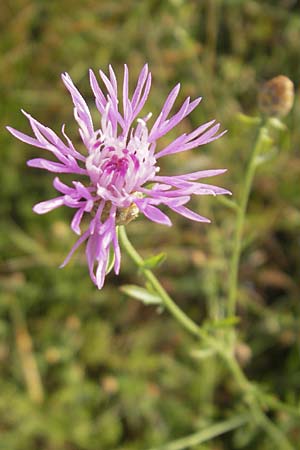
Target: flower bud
{"type": "Point", "coordinates": [276, 96]}
{"type": "Point", "coordinates": [243, 353]}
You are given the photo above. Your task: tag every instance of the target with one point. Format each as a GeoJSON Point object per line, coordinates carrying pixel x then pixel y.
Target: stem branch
{"type": "Point", "coordinates": [241, 215]}
{"type": "Point", "coordinates": [207, 434]}
{"type": "Point", "coordinates": [251, 392]}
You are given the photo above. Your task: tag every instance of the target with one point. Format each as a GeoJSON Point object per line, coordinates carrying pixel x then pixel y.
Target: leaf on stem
{"type": "Point", "coordinates": [231, 204]}
{"type": "Point", "coordinates": [277, 124]}
{"type": "Point", "coordinates": [222, 323]}
{"type": "Point", "coordinates": [154, 261]}
{"type": "Point", "coordinates": [203, 353]}
{"type": "Point", "coordinates": [248, 120]}
{"type": "Point", "coordinates": [141, 294]}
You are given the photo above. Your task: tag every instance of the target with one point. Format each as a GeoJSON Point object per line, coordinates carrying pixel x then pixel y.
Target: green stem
{"type": "Point", "coordinates": [187, 323]}
{"type": "Point", "coordinates": [241, 215]}
{"type": "Point", "coordinates": [179, 315]}
{"type": "Point", "coordinates": [250, 391]}
{"type": "Point", "coordinates": [207, 434]}
{"type": "Point", "coordinates": [263, 421]}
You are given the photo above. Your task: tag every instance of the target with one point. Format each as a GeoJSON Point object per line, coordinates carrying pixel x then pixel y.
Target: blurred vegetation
{"type": "Point", "coordinates": [82, 369]}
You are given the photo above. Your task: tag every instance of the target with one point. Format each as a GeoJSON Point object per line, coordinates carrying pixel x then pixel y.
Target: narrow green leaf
{"type": "Point", "coordinates": [266, 141]}
{"type": "Point", "coordinates": [284, 140]}
{"type": "Point", "coordinates": [154, 261]}
{"type": "Point", "coordinates": [223, 323]}
{"type": "Point", "coordinates": [140, 294]}
{"type": "Point", "coordinates": [248, 120]}
{"type": "Point", "coordinates": [228, 202]}
{"type": "Point", "coordinates": [207, 434]}
{"type": "Point", "coordinates": [277, 124]}
{"type": "Point", "coordinates": [202, 354]}
{"type": "Point", "coordinates": [265, 157]}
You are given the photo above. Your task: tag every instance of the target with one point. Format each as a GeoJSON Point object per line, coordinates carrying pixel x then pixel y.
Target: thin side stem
{"type": "Point", "coordinates": [210, 432]}
{"type": "Point", "coordinates": [185, 321]}
{"type": "Point", "coordinates": [271, 429]}
{"type": "Point", "coordinates": [241, 215]}
{"type": "Point", "coordinates": [251, 392]}
{"type": "Point", "coordinates": [179, 315]}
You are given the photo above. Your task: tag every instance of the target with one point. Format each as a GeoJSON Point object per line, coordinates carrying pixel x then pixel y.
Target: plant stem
{"type": "Point", "coordinates": [210, 432]}
{"type": "Point", "coordinates": [241, 215]}
{"type": "Point", "coordinates": [250, 391]}
{"type": "Point", "coordinates": [27, 358]}
{"type": "Point", "coordinates": [187, 323]}
{"type": "Point", "coordinates": [271, 429]}
{"type": "Point", "coordinates": [179, 315]}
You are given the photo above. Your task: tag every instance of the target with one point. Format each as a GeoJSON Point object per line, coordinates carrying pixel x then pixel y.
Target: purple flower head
{"type": "Point", "coordinates": [120, 164]}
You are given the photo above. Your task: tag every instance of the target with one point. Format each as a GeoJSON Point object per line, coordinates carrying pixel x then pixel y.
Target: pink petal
{"type": "Point", "coordinates": [198, 131]}
{"type": "Point", "coordinates": [75, 224]}
{"type": "Point", "coordinates": [46, 135]}
{"type": "Point", "coordinates": [101, 270]}
{"type": "Point", "coordinates": [191, 176]}
{"type": "Point", "coordinates": [99, 96]}
{"type": "Point", "coordinates": [117, 254]}
{"type": "Point", "coordinates": [145, 94]}
{"type": "Point", "coordinates": [126, 102]}
{"type": "Point", "coordinates": [41, 163]}
{"type": "Point", "coordinates": [203, 189]}
{"type": "Point", "coordinates": [170, 102]}
{"type": "Point", "coordinates": [75, 247]}
{"type": "Point", "coordinates": [189, 214]}
{"type": "Point", "coordinates": [92, 251]}
{"type": "Point", "coordinates": [139, 87]}
{"type": "Point", "coordinates": [171, 123]}
{"type": "Point", "coordinates": [25, 138]}
{"type": "Point", "coordinates": [110, 88]}
{"type": "Point", "coordinates": [48, 205]}
{"type": "Point", "coordinates": [83, 115]}
{"type": "Point", "coordinates": [62, 187]}
{"type": "Point", "coordinates": [156, 215]}
{"type": "Point", "coordinates": [113, 79]}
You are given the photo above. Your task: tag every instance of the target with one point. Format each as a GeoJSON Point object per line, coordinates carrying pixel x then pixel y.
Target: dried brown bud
{"type": "Point", "coordinates": [243, 353]}
{"type": "Point", "coordinates": [276, 97]}
{"type": "Point", "coordinates": [53, 355]}
{"type": "Point", "coordinates": [110, 384]}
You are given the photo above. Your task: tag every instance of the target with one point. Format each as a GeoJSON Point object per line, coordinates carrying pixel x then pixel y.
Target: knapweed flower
{"type": "Point", "coordinates": [120, 165]}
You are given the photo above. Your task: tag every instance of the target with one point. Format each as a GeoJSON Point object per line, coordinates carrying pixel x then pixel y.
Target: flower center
{"type": "Point", "coordinates": [112, 165]}
{"type": "Point", "coordinates": [119, 166]}
{"type": "Point", "coordinates": [116, 164]}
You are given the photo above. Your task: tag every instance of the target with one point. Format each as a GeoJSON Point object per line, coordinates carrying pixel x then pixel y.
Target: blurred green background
{"type": "Point", "coordinates": [82, 369]}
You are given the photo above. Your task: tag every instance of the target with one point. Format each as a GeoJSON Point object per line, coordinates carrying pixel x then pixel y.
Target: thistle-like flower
{"type": "Point", "coordinates": [120, 165]}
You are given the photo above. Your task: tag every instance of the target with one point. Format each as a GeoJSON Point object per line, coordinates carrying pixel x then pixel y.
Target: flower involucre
{"type": "Point", "coordinates": [120, 165]}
